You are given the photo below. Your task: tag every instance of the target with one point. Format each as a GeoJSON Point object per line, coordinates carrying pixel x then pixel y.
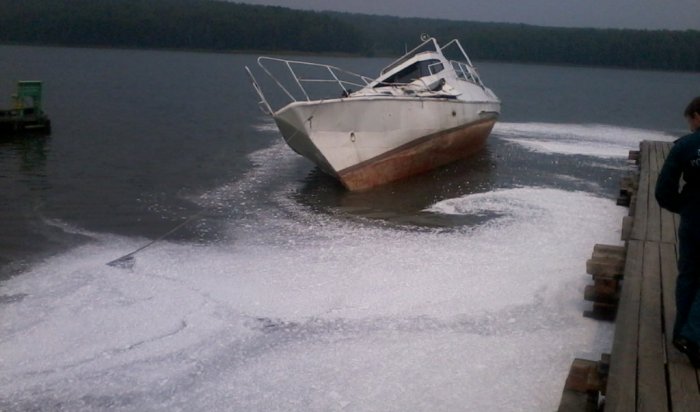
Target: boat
{"type": "Point", "coordinates": [424, 110]}
{"type": "Point", "coordinates": [26, 115]}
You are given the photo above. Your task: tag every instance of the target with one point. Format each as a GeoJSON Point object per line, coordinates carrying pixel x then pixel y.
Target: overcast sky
{"type": "Point", "coordinates": [634, 14]}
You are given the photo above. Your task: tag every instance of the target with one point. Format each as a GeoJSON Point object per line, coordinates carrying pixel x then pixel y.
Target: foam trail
{"type": "Point", "coordinates": [308, 312]}
{"type": "Point", "coordinates": [266, 125]}
{"type": "Point", "coordinates": [574, 139]}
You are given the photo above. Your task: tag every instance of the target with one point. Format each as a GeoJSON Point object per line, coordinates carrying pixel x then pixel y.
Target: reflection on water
{"type": "Point", "coordinates": [24, 185]}
{"type": "Point", "coordinates": [30, 150]}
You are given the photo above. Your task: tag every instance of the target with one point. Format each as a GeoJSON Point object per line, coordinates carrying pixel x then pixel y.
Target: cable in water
{"type": "Point", "coordinates": [127, 261]}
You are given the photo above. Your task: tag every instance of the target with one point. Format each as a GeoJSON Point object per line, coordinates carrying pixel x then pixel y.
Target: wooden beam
{"type": "Point", "coordinates": [669, 225]}
{"type": "Point", "coordinates": [608, 251]}
{"type": "Point", "coordinates": [607, 267]}
{"type": "Point", "coordinates": [651, 373]}
{"type": "Point", "coordinates": [639, 229]}
{"type": "Point", "coordinates": [622, 384]}
{"type": "Point", "coordinates": [627, 225]}
{"type": "Point", "coordinates": [654, 210]}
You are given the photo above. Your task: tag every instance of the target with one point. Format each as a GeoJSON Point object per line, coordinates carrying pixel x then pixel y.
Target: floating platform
{"type": "Point", "coordinates": [27, 115]}
{"type": "Point", "coordinates": [13, 123]}
{"type": "Point", "coordinates": [635, 286]}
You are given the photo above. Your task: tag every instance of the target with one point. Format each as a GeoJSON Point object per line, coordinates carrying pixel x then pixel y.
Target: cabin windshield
{"type": "Point", "coordinates": [427, 46]}
{"type": "Point", "coordinates": [417, 70]}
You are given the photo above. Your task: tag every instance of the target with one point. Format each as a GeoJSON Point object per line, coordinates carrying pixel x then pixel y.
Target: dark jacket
{"type": "Point", "coordinates": [683, 160]}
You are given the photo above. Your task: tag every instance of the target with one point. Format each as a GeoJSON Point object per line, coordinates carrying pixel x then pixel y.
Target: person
{"type": "Point", "coordinates": [684, 161]}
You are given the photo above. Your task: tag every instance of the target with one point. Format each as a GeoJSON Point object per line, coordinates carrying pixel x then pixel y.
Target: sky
{"type": "Point", "coordinates": [624, 14]}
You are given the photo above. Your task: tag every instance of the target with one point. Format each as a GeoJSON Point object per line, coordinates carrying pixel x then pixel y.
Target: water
{"type": "Point", "coordinates": [460, 289]}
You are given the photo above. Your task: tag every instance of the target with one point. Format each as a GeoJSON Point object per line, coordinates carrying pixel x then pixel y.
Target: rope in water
{"type": "Point", "coordinates": [127, 260]}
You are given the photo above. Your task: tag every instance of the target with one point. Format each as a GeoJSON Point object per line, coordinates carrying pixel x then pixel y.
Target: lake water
{"type": "Point", "coordinates": [460, 289]}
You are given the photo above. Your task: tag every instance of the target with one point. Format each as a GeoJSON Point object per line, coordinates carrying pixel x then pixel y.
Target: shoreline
{"type": "Point", "coordinates": [319, 53]}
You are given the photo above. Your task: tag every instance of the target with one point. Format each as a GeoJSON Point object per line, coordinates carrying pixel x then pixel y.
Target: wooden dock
{"type": "Point", "coordinates": [644, 372]}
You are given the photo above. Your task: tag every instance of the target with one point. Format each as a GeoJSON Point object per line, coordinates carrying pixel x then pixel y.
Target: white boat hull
{"type": "Point", "coordinates": [369, 141]}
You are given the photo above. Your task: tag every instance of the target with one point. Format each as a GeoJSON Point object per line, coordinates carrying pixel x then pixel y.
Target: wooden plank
{"type": "Point", "coordinates": [669, 223]}
{"type": "Point", "coordinates": [666, 150]}
{"type": "Point", "coordinates": [633, 155]}
{"type": "Point", "coordinates": [668, 227]}
{"type": "Point", "coordinates": [602, 311]}
{"type": "Point", "coordinates": [583, 376]}
{"type": "Point", "coordinates": [658, 158]}
{"type": "Point", "coordinates": [639, 229]}
{"type": "Point", "coordinates": [627, 225]}
{"type": "Point", "coordinates": [621, 392]}
{"type": "Point", "coordinates": [628, 183]}
{"type": "Point", "coordinates": [653, 213]}
{"type": "Point", "coordinates": [572, 401]}
{"type": "Point", "coordinates": [604, 291]}
{"type": "Point", "coordinates": [608, 267]}
{"type": "Point", "coordinates": [654, 210]}
{"type": "Point", "coordinates": [653, 162]}
{"type": "Point", "coordinates": [610, 251]}
{"type": "Point", "coordinates": [651, 374]}
{"type": "Point", "coordinates": [684, 390]}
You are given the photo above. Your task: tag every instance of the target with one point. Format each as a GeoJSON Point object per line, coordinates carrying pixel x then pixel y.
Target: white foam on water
{"type": "Point", "coordinates": [595, 140]}
{"type": "Point", "coordinates": [308, 312]}
{"type": "Point", "coordinates": [266, 125]}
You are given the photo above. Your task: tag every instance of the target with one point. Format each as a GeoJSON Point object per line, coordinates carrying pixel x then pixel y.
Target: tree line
{"type": "Point", "coordinates": [640, 49]}
{"type": "Point", "coordinates": [178, 24]}
{"type": "Point", "coordinates": [219, 25]}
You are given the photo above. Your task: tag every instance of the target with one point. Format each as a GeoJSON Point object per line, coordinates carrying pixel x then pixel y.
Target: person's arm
{"type": "Point", "coordinates": [669, 179]}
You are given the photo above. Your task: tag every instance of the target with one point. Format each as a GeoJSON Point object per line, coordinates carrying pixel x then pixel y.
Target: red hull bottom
{"type": "Point", "coordinates": [419, 156]}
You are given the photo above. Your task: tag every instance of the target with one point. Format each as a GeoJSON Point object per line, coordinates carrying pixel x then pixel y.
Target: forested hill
{"type": "Point", "coordinates": [640, 49]}
{"type": "Point", "coordinates": [179, 24]}
{"type": "Point", "coordinates": [218, 25]}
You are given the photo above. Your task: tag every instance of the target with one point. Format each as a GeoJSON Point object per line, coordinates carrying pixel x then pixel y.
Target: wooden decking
{"type": "Point", "coordinates": [645, 371]}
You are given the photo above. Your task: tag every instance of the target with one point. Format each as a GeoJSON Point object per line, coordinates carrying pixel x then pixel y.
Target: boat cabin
{"type": "Point", "coordinates": [426, 60]}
